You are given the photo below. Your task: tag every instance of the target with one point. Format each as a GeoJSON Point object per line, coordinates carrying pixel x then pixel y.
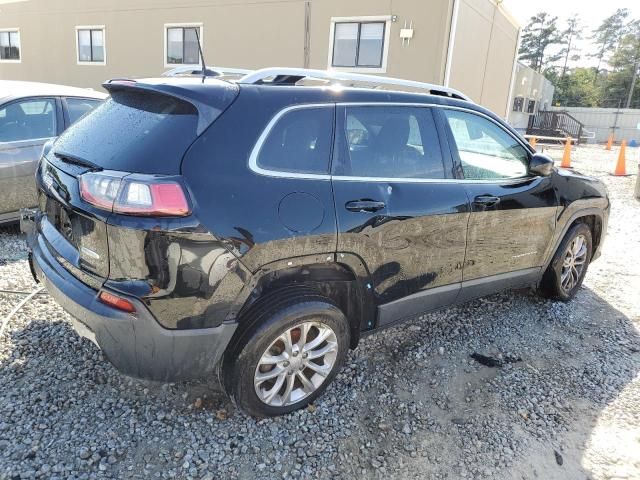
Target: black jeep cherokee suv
{"type": "Point", "coordinates": [256, 229]}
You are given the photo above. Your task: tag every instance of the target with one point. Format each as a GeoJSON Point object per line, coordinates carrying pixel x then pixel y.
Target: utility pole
{"type": "Point", "coordinates": [615, 119]}
{"type": "Point", "coordinates": [307, 34]}
{"type": "Point", "coordinates": [633, 83]}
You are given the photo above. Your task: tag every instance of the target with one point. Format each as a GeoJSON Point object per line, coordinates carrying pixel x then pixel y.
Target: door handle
{"type": "Point", "coordinates": [486, 200]}
{"type": "Point", "coordinates": [364, 206]}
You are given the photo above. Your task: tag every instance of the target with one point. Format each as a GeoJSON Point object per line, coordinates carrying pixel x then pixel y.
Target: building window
{"type": "Point", "coordinates": [90, 45]}
{"type": "Point", "coordinates": [531, 106]}
{"type": "Point", "coordinates": [359, 44]}
{"type": "Point", "coordinates": [10, 45]}
{"type": "Point", "coordinates": [181, 44]}
{"type": "Point", "coordinates": [518, 104]}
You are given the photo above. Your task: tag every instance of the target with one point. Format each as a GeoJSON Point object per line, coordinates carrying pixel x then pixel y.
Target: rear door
{"type": "Point", "coordinates": [513, 212]}
{"type": "Point", "coordinates": [25, 126]}
{"type": "Point", "coordinates": [398, 207]}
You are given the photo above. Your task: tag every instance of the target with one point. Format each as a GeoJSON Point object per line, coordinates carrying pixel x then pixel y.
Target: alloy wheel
{"type": "Point", "coordinates": [575, 259]}
{"type": "Point", "coordinates": [296, 364]}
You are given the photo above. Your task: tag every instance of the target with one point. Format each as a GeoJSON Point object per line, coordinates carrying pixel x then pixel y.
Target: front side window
{"type": "Point", "coordinates": [300, 142]}
{"type": "Point", "coordinates": [391, 142]}
{"type": "Point", "coordinates": [10, 45]}
{"type": "Point", "coordinates": [90, 45]}
{"type": "Point", "coordinates": [358, 44]}
{"type": "Point", "coordinates": [486, 151]}
{"type": "Point", "coordinates": [182, 45]}
{"type": "Point", "coordinates": [28, 120]}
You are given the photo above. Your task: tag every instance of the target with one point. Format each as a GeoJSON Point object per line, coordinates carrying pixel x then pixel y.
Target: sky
{"type": "Point", "coordinates": [591, 13]}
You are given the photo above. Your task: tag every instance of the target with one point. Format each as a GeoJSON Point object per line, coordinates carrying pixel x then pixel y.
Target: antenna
{"type": "Point", "coordinates": [204, 67]}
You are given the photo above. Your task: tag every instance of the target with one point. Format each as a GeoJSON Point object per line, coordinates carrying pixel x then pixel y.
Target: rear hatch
{"type": "Point", "coordinates": [141, 131]}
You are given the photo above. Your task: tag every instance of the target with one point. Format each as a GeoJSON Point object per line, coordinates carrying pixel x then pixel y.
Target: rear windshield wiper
{"type": "Point", "coordinates": [68, 158]}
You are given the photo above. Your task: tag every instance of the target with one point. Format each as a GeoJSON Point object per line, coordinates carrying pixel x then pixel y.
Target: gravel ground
{"type": "Point", "coordinates": [410, 403]}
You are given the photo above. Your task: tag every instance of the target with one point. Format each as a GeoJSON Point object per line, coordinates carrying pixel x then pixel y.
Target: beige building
{"type": "Point", "coordinates": [531, 93]}
{"type": "Point", "coordinates": [470, 45]}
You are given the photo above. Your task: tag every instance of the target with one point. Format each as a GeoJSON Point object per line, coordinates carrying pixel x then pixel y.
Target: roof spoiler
{"type": "Point", "coordinates": [208, 106]}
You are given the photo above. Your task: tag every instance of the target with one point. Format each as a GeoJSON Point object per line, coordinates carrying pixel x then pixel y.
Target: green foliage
{"type": "Point", "coordinates": [577, 88]}
{"type": "Point", "coordinates": [613, 82]}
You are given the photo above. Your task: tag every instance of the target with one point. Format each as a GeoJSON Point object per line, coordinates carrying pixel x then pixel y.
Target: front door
{"type": "Point", "coordinates": [513, 212]}
{"type": "Point", "coordinates": [25, 125]}
{"type": "Point", "coordinates": [398, 207]}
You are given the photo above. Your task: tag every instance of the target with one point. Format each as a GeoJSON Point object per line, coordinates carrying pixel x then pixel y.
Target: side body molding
{"type": "Point", "coordinates": [440, 297]}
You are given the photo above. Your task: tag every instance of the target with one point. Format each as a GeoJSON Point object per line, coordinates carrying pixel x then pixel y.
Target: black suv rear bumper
{"type": "Point", "coordinates": [134, 343]}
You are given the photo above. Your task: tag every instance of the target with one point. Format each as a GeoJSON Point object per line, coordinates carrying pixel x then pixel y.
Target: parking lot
{"type": "Point", "coordinates": [563, 401]}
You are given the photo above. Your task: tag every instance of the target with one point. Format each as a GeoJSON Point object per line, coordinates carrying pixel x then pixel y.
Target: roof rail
{"type": "Point", "coordinates": [290, 76]}
{"type": "Point", "coordinates": [209, 71]}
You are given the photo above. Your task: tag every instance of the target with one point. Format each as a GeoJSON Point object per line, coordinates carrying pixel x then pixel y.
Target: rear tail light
{"type": "Point", "coordinates": [116, 302]}
{"type": "Point", "coordinates": [134, 195]}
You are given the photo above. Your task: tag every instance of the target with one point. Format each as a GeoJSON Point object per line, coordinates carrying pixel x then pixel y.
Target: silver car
{"type": "Point", "coordinates": [30, 114]}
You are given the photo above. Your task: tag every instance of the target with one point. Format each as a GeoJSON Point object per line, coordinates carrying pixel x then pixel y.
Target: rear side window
{"type": "Point", "coordinates": [77, 107]}
{"type": "Point", "coordinates": [486, 151]}
{"type": "Point", "coordinates": [391, 142]}
{"type": "Point", "coordinates": [134, 132]}
{"type": "Point", "coordinates": [300, 142]}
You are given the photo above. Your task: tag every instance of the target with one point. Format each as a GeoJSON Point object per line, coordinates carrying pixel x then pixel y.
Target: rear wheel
{"type": "Point", "coordinates": [569, 264]}
{"type": "Point", "coordinates": [288, 357]}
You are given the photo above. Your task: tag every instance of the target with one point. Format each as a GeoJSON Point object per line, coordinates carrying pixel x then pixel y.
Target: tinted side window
{"type": "Point", "coordinates": [300, 142]}
{"type": "Point", "coordinates": [486, 151]}
{"type": "Point", "coordinates": [77, 107]}
{"type": "Point", "coordinates": [28, 120]}
{"type": "Point", "coordinates": [391, 142]}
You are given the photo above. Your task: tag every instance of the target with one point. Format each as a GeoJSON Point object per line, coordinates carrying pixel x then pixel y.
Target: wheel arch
{"type": "Point", "coordinates": [594, 222]}
{"type": "Point", "coordinates": [594, 218]}
{"type": "Point", "coordinates": [342, 278]}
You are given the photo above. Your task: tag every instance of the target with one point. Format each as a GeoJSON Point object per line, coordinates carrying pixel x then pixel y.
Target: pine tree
{"type": "Point", "coordinates": [607, 36]}
{"type": "Point", "coordinates": [538, 35]}
{"type": "Point", "coordinates": [570, 36]}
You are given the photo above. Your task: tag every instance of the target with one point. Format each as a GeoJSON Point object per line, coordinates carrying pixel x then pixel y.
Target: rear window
{"type": "Point", "coordinates": [133, 132]}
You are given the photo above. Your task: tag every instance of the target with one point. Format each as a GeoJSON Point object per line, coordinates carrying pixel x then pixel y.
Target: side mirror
{"type": "Point", "coordinates": [541, 164]}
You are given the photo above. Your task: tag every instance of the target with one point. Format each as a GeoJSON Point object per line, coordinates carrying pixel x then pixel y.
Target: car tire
{"type": "Point", "coordinates": [565, 273]}
{"type": "Point", "coordinates": [259, 350]}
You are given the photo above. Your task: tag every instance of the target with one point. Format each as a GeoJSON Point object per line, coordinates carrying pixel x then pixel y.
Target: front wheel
{"type": "Point", "coordinates": [568, 267]}
{"type": "Point", "coordinates": [288, 358]}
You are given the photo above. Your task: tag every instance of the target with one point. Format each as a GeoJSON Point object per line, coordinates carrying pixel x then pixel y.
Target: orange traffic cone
{"type": "Point", "coordinates": [533, 141]}
{"type": "Point", "coordinates": [621, 169]}
{"type": "Point", "coordinates": [566, 156]}
{"type": "Point", "coordinates": [609, 142]}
